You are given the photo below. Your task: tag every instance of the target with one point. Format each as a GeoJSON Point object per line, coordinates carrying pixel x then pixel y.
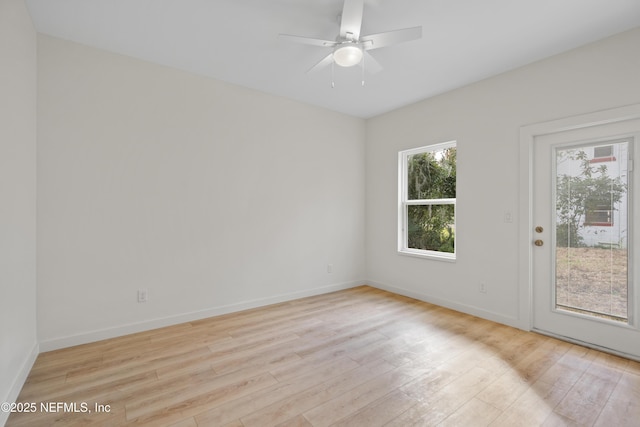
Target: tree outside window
{"type": "Point", "coordinates": [586, 198]}
{"type": "Point", "coordinates": [428, 200]}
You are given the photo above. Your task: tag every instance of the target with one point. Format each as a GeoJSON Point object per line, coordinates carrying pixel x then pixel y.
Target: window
{"type": "Point", "coordinates": [427, 201]}
{"type": "Point", "coordinates": [606, 151]}
{"type": "Point", "coordinates": [603, 154]}
{"type": "Point", "coordinates": [598, 211]}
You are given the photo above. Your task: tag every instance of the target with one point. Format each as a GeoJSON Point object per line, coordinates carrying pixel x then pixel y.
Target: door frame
{"type": "Point", "coordinates": [528, 134]}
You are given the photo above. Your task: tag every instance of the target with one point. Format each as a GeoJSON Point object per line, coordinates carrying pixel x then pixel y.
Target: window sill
{"type": "Point", "coordinates": [437, 256]}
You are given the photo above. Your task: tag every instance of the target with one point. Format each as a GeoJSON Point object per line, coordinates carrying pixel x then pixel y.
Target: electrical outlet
{"type": "Point", "coordinates": [143, 295]}
{"type": "Point", "coordinates": [329, 268]}
{"type": "Point", "coordinates": [483, 288]}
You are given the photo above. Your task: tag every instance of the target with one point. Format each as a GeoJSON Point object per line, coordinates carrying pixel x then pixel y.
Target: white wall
{"type": "Point", "coordinates": [484, 118]}
{"type": "Point", "coordinates": [211, 196]}
{"type": "Point", "coordinates": [217, 198]}
{"type": "Point", "coordinates": [18, 345]}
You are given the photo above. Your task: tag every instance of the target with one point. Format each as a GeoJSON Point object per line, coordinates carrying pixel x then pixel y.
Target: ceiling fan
{"type": "Point", "coordinates": [349, 48]}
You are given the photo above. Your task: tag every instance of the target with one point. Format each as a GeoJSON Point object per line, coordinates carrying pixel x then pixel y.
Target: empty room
{"type": "Point", "coordinates": [319, 213]}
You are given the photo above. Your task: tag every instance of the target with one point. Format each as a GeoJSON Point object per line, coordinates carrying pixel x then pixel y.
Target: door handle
{"type": "Point", "coordinates": [538, 242]}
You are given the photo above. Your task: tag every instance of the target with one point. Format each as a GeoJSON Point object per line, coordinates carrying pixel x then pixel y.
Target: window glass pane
{"type": "Point", "coordinates": [431, 227]}
{"type": "Point", "coordinates": [432, 175]}
{"type": "Point", "coordinates": [598, 217]}
{"type": "Point", "coordinates": [598, 209]}
{"type": "Point", "coordinates": [591, 271]}
{"type": "Point", "coordinates": [606, 151]}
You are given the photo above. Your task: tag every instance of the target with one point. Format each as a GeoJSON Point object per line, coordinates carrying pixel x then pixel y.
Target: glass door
{"type": "Point", "coordinates": [592, 206]}
{"type": "Point", "coordinates": [583, 233]}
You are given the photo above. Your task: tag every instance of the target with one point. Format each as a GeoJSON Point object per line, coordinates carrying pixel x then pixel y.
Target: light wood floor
{"type": "Point", "coordinates": [361, 357]}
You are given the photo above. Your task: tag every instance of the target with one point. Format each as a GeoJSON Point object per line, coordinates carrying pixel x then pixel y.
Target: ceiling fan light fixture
{"type": "Point", "coordinates": [347, 55]}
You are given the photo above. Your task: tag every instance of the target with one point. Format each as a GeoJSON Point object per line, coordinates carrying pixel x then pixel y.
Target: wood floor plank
{"type": "Point", "coordinates": [231, 411]}
{"type": "Point", "coordinates": [194, 400]}
{"type": "Point", "coordinates": [509, 386]}
{"type": "Point", "coordinates": [473, 413]}
{"type": "Point", "coordinates": [436, 406]}
{"type": "Point", "coordinates": [358, 397]}
{"type": "Point", "coordinates": [292, 387]}
{"type": "Point", "coordinates": [533, 406]}
{"type": "Point", "coordinates": [586, 399]}
{"type": "Point", "coordinates": [623, 406]}
{"type": "Point", "coordinates": [189, 422]}
{"type": "Point", "coordinates": [315, 396]}
{"type": "Point", "coordinates": [380, 411]}
{"type": "Point", "coordinates": [359, 357]}
{"type": "Point", "coordinates": [633, 367]}
{"type": "Point", "coordinates": [299, 421]}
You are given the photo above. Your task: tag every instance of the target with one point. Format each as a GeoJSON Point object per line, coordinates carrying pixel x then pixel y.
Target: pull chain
{"type": "Point", "coordinates": [363, 56]}
{"type": "Point", "coordinates": [333, 83]}
{"type": "Point", "coordinates": [333, 73]}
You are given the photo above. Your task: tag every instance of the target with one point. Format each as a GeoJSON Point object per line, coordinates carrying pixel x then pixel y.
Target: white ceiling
{"type": "Point", "coordinates": [237, 41]}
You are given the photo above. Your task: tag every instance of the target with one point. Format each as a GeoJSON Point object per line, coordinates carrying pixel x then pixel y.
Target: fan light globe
{"type": "Point", "coordinates": [347, 56]}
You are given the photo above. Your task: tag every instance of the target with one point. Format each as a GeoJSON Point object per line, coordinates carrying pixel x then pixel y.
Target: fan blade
{"type": "Point", "coordinates": [376, 41]}
{"type": "Point", "coordinates": [323, 63]}
{"type": "Point", "coordinates": [351, 19]}
{"type": "Point", "coordinates": [371, 65]}
{"type": "Point", "coordinates": [307, 40]}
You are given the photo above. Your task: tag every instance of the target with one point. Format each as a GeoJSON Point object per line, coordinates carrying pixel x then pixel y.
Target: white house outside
{"type": "Point", "coordinates": [602, 221]}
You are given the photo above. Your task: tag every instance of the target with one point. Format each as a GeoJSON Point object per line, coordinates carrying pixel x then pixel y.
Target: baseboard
{"type": "Point", "coordinates": [117, 331]}
{"type": "Point", "coordinates": [18, 382]}
{"type": "Point", "coordinates": [463, 308]}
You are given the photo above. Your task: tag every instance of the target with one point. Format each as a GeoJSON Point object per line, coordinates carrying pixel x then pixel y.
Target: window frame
{"type": "Point", "coordinates": [404, 203]}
